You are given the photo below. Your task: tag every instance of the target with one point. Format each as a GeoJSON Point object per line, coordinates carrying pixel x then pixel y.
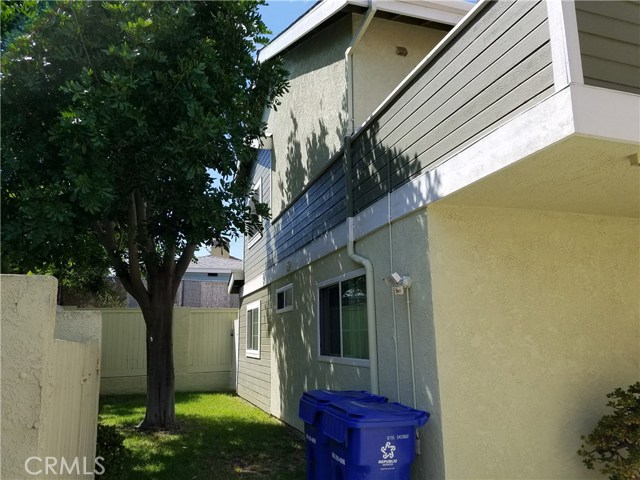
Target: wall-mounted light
{"type": "Point", "coordinates": [398, 282]}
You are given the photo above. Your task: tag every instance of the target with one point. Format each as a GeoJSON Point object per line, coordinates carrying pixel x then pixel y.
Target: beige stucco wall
{"type": "Point", "coordinates": [537, 317]}
{"type": "Point", "coordinates": [377, 69]}
{"type": "Point", "coordinates": [308, 126]}
{"type": "Point", "coordinates": [27, 303]}
{"type": "Point", "coordinates": [405, 251]}
{"type": "Point", "coordinates": [49, 380]}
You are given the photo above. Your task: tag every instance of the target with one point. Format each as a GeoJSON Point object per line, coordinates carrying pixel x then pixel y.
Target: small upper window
{"type": "Point", "coordinates": [284, 299]}
{"type": "Point", "coordinates": [255, 197]}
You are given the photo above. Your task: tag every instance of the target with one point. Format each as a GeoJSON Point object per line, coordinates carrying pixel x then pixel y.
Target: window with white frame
{"type": "Point", "coordinates": [253, 329]}
{"type": "Point", "coordinates": [342, 315]}
{"type": "Point", "coordinates": [255, 197]}
{"type": "Point", "coordinates": [284, 299]}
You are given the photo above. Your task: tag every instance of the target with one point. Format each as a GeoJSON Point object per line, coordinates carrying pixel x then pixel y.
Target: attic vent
{"type": "Point", "coordinates": [402, 51]}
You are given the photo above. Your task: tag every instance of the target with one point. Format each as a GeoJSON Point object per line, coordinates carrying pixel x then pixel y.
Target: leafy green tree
{"type": "Point", "coordinates": [614, 444]}
{"type": "Point", "coordinates": [114, 115]}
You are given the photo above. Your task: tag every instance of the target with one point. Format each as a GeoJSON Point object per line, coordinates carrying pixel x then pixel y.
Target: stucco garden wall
{"type": "Point", "coordinates": [536, 319]}
{"type": "Point", "coordinates": [50, 378]}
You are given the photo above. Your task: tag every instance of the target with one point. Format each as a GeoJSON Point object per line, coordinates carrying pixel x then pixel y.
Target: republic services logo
{"type": "Point", "coordinates": [387, 450]}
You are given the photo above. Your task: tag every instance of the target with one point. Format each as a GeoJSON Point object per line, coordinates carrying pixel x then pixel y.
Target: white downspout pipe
{"type": "Point", "coordinates": [372, 332]}
{"type": "Point", "coordinates": [371, 309]}
{"type": "Point", "coordinates": [348, 59]}
{"type": "Point", "coordinates": [365, 262]}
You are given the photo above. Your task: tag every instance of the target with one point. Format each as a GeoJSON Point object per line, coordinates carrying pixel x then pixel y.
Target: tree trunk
{"type": "Point", "coordinates": [160, 377]}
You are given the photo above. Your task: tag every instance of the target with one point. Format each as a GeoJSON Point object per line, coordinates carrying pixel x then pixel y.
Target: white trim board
{"type": "Point", "coordinates": [565, 46]}
{"type": "Point", "coordinates": [443, 11]}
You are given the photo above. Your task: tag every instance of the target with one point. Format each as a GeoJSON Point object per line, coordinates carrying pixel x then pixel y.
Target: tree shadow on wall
{"type": "Point", "coordinates": [378, 171]}
{"type": "Point", "coordinates": [303, 165]}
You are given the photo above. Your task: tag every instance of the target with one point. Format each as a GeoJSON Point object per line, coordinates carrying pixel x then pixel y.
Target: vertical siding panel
{"type": "Point", "coordinates": [203, 364]}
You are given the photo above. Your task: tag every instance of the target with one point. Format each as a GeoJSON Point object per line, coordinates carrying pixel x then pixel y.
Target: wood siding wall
{"type": "Point", "coordinates": [499, 65]}
{"type": "Point", "coordinates": [254, 374]}
{"type": "Point", "coordinates": [321, 207]}
{"type": "Point", "coordinates": [255, 256]}
{"type": "Point", "coordinates": [609, 33]}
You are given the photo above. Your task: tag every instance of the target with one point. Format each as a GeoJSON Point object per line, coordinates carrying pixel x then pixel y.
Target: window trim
{"type": "Point", "coordinates": [288, 308]}
{"type": "Point", "coordinates": [250, 352]}
{"type": "Point", "coordinates": [257, 187]}
{"type": "Point", "coordinates": [356, 362]}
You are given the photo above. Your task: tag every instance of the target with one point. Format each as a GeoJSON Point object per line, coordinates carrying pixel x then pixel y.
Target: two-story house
{"type": "Point", "coordinates": [455, 197]}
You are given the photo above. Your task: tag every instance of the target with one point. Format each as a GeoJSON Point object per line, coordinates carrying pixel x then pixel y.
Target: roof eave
{"type": "Point", "coordinates": [449, 12]}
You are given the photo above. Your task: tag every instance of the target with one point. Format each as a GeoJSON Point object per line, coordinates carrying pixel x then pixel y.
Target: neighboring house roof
{"type": "Point", "coordinates": [448, 12]}
{"type": "Point", "coordinates": [212, 264]}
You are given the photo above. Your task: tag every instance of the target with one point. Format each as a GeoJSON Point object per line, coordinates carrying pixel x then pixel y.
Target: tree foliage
{"type": "Point", "coordinates": [114, 116]}
{"type": "Point", "coordinates": [614, 444]}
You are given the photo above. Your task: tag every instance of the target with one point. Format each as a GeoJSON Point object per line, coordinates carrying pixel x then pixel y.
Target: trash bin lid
{"type": "Point", "coordinates": [315, 401]}
{"type": "Point", "coordinates": [355, 414]}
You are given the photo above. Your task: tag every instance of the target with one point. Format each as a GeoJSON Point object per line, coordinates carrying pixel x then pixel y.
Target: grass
{"type": "Point", "coordinates": [220, 436]}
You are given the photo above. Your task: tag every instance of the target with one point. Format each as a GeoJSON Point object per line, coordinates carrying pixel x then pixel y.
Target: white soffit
{"type": "Point", "coordinates": [449, 12]}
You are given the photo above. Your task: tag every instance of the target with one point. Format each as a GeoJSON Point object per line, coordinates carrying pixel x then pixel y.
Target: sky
{"type": "Point", "coordinates": [277, 15]}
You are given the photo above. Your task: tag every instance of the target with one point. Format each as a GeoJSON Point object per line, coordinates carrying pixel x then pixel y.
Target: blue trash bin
{"type": "Point", "coordinates": [311, 410]}
{"type": "Point", "coordinates": [371, 440]}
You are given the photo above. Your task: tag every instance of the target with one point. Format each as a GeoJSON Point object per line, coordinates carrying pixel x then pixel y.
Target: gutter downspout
{"type": "Point", "coordinates": [368, 266]}
{"type": "Point", "coordinates": [348, 60]}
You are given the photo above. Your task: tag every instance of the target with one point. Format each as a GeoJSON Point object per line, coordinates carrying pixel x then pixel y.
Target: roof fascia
{"type": "Point", "coordinates": [310, 20]}
{"type": "Point", "coordinates": [450, 13]}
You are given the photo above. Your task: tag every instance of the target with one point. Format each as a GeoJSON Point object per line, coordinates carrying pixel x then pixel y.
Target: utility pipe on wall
{"type": "Point", "coordinates": [371, 309]}
{"type": "Point", "coordinates": [368, 267]}
{"type": "Point", "coordinates": [348, 60]}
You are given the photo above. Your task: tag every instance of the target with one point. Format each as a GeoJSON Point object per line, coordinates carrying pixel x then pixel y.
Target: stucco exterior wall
{"type": "Point", "coordinates": [377, 68]}
{"type": "Point", "coordinates": [403, 248]}
{"type": "Point", "coordinates": [308, 126]}
{"type": "Point", "coordinates": [537, 318]}
{"type": "Point", "coordinates": [295, 367]}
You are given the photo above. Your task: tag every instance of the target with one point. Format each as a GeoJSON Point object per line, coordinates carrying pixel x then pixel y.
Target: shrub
{"type": "Point", "coordinates": [110, 446]}
{"type": "Point", "coordinates": [614, 443]}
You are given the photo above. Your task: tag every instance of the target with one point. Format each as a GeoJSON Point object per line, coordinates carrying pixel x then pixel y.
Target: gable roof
{"type": "Point", "coordinates": [448, 12]}
{"type": "Point", "coordinates": [213, 264]}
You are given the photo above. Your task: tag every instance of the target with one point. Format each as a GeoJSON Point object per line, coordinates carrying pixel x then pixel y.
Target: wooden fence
{"type": "Point", "coordinates": [202, 348]}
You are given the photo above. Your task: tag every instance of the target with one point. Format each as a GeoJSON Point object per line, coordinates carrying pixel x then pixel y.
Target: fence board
{"type": "Point", "coordinates": [202, 348]}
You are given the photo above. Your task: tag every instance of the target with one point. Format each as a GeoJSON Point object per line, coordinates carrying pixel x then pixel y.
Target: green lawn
{"type": "Point", "coordinates": [220, 437]}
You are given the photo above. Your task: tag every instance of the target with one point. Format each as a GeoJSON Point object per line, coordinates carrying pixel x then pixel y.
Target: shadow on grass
{"type": "Point", "coordinates": [220, 437]}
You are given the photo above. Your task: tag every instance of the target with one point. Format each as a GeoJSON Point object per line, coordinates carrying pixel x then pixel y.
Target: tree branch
{"type": "Point", "coordinates": [107, 236]}
{"type": "Point", "coordinates": [147, 246]}
{"type": "Point", "coordinates": [134, 260]}
{"type": "Point", "coordinates": [181, 265]}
